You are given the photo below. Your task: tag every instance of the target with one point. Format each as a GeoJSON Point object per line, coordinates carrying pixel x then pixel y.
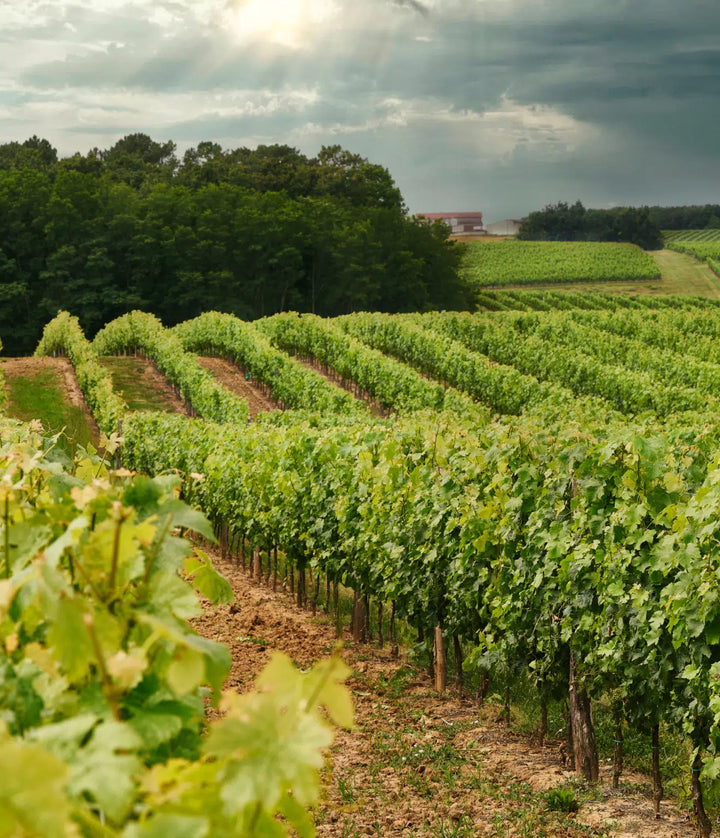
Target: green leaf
{"type": "Point", "coordinates": [186, 672]}
{"type": "Point", "coordinates": [712, 630]}
{"type": "Point", "coordinates": [297, 817]}
{"type": "Point", "coordinates": [155, 728]}
{"type": "Point", "coordinates": [189, 518]}
{"type": "Point", "coordinates": [69, 640]}
{"type": "Point", "coordinates": [170, 826]}
{"type": "Point", "coordinates": [211, 584]}
{"type": "Point", "coordinates": [32, 801]}
{"type": "Point", "coordinates": [168, 592]}
{"type": "Point", "coordinates": [26, 539]}
{"type": "Point", "coordinates": [106, 769]}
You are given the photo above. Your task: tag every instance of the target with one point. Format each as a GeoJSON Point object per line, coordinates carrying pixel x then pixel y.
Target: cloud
{"type": "Point", "coordinates": [414, 4]}
{"type": "Point", "coordinates": [510, 101]}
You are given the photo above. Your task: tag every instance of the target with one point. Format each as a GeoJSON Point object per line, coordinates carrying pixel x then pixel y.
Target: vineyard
{"type": "Point", "coordinates": [705, 251]}
{"type": "Point", "coordinates": [497, 264]}
{"type": "Point", "coordinates": [532, 493]}
{"type": "Point", "coordinates": [686, 236]}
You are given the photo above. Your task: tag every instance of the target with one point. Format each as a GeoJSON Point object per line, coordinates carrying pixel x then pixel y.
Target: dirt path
{"type": "Point", "coordinates": [232, 377]}
{"type": "Point", "coordinates": [67, 383]}
{"type": "Point", "coordinates": [418, 764]}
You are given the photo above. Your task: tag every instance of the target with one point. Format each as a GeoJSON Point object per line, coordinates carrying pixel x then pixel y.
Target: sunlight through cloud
{"type": "Point", "coordinates": [289, 23]}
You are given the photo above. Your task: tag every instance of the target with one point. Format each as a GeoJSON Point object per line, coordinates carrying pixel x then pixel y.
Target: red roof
{"type": "Point", "coordinates": [441, 216]}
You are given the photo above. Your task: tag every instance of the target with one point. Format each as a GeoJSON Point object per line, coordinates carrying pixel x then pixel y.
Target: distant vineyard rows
{"type": "Point", "coordinates": [488, 264]}
{"type": "Point", "coordinates": [684, 236]}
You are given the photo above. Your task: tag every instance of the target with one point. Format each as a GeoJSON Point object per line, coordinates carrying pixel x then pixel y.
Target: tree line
{"type": "Point", "coordinates": [696, 217]}
{"type": "Point", "coordinates": [573, 222]}
{"type": "Point", "coordinates": [248, 232]}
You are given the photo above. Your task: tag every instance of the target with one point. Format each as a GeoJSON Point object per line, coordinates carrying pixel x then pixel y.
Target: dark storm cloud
{"type": "Point", "coordinates": [413, 4]}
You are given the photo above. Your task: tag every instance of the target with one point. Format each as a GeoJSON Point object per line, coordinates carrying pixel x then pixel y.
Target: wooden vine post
{"type": "Point", "coordinates": [658, 792]}
{"type": "Point", "coordinates": [440, 660]}
{"type": "Point", "coordinates": [618, 754]}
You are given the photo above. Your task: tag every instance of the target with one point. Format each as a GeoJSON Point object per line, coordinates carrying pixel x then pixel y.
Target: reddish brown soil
{"type": "Point", "coordinates": [232, 377]}
{"type": "Point", "coordinates": [387, 777]}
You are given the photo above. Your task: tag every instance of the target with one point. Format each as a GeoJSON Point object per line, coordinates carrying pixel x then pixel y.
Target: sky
{"type": "Point", "coordinates": [498, 106]}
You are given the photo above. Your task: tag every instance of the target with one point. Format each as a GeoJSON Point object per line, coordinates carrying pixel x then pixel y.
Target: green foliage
{"type": "Point", "coordinates": [501, 387]}
{"type": "Point", "coordinates": [545, 300]}
{"type": "Point", "coordinates": [495, 264]}
{"type": "Point", "coordinates": [706, 249]}
{"type": "Point", "coordinates": [710, 234]}
{"type": "Point", "coordinates": [392, 384]}
{"type": "Point", "coordinates": [291, 383]}
{"type": "Point", "coordinates": [562, 800]}
{"type": "Point", "coordinates": [102, 679]}
{"type": "Point", "coordinates": [63, 336]}
{"type": "Point", "coordinates": [684, 218]}
{"type": "Point", "coordinates": [250, 232]}
{"type": "Point", "coordinates": [144, 332]}
{"type": "Point", "coordinates": [524, 541]}
{"type": "Point", "coordinates": [562, 222]}
{"type": "Point", "coordinates": [536, 346]}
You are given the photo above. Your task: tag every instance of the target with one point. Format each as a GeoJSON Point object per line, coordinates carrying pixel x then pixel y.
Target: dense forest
{"type": "Point", "coordinates": [702, 217]}
{"type": "Point", "coordinates": [572, 222]}
{"type": "Point", "coordinates": [249, 232]}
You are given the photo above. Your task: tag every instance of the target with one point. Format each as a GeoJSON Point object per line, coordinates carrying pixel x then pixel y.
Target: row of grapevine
{"type": "Point", "coordinates": [199, 389]}
{"type": "Point", "coordinates": [64, 336]}
{"type": "Point", "coordinates": [490, 300]}
{"type": "Point", "coordinates": [681, 236]}
{"type": "Point", "coordinates": [102, 718]}
{"type": "Point", "coordinates": [3, 394]}
{"type": "Point", "coordinates": [702, 250]}
{"type": "Point", "coordinates": [556, 554]}
{"type": "Point", "coordinates": [488, 264]}
{"type": "Point", "coordinates": [502, 387]}
{"type": "Point", "coordinates": [394, 385]}
{"type": "Point", "coordinates": [696, 335]}
{"type": "Point", "coordinates": [506, 342]}
{"type": "Point", "coordinates": [290, 382]}
{"type": "Point", "coordinates": [664, 365]}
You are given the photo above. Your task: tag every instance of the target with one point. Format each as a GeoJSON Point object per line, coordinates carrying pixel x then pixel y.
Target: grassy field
{"type": "Point", "coordinates": [138, 385]}
{"type": "Point", "coordinates": [39, 394]}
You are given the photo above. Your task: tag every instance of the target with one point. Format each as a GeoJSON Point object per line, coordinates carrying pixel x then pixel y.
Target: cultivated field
{"type": "Point", "coordinates": [517, 263]}
{"type": "Point", "coordinates": [683, 236]}
{"type": "Point", "coordinates": [527, 497]}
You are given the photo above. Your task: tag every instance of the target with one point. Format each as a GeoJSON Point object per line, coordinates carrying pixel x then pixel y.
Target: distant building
{"type": "Point", "coordinates": [458, 222]}
{"type": "Point", "coordinates": [508, 227]}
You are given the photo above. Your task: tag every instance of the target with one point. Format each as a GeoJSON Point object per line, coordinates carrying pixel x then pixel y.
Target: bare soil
{"type": "Point", "coordinates": [419, 763]}
{"type": "Point", "coordinates": [232, 377]}
{"type": "Point", "coordinates": [67, 383]}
